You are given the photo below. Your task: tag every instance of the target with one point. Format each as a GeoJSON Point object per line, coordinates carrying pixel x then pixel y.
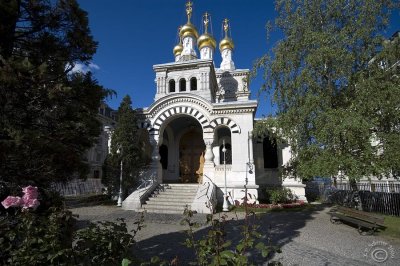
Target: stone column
{"type": "Point", "coordinates": [209, 166]}
{"type": "Point", "coordinates": [164, 87]}
{"type": "Point", "coordinates": [294, 184]}
{"type": "Point", "coordinates": [155, 165]}
{"type": "Point", "coordinates": [158, 85]}
{"type": "Point", "coordinates": [250, 143]}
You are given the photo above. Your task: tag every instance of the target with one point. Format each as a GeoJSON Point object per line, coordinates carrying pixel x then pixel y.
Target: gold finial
{"type": "Point", "coordinates": [189, 9]}
{"type": "Point", "coordinates": [179, 36]}
{"type": "Point", "coordinates": [226, 27]}
{"type": "Point", "coordinates": [206, 21]}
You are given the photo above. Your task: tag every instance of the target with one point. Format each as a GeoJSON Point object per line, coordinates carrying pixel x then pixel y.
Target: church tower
{"type": "Point", "coordinates": [226, 47]}
{"type": "Point", "coordinates": [202, 117]}
{"type": "Point", "coordinates": [206, 42]}
{"type": "Point", "coordinates": [189, 35]}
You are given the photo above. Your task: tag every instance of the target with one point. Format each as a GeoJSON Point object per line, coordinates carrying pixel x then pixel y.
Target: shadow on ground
{"type": "Point", "coordinates": [278, 227]}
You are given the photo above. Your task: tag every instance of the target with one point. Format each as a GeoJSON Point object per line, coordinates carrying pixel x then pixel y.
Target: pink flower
{"type": "Point", "coordinates": [30, 203]}
{"type": "Point", "coordinates": [11, 201]}
{"type": "Point", "coordinates": [30, 192]}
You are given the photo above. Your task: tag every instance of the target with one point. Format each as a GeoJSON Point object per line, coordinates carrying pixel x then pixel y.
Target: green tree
{"type": "Point", "coordinates": [48, 114]}
{"type": "Point", "coordinates": [128, 144]}
{"type": "Point", "coordinates": [336, 87]}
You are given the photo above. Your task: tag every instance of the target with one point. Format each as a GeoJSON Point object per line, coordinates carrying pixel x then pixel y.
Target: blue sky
{"type": "Point", "coordinates": [134, 35]}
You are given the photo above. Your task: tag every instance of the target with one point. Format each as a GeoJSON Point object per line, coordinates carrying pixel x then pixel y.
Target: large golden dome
{"type": "Point", "coordinates": [226, 43]}
{"type": "Point", "coordinates": [188, 30]}
{"type": "Point", "coordinates": [206, 40]}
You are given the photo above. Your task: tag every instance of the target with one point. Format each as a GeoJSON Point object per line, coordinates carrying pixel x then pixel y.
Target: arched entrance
{"type": "Point", "coordinates": [182, 150]}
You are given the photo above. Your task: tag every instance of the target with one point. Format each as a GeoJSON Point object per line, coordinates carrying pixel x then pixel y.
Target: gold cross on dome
{"type": "Point", "coordinates": [226, 26]}
{"type": "Point", "coordinates": [189, 9]}
{"type": "Point", "coordinates": [206, 21]}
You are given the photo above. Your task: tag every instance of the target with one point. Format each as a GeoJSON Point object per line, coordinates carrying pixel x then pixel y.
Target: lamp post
{"type": "Point", "coordinates": [119, 202]}
{"type": "Point", "coordinates": [225, 206]}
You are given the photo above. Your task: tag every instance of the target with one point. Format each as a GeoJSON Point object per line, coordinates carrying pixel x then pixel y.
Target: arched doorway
{"type": "Point", "coordinates": [191, 157]}
{"type": "Point", "coordinates": [182, 150]}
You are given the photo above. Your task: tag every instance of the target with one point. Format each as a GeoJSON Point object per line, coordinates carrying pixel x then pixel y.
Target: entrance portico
{"type": "Point", "coordinates": [182, 150]}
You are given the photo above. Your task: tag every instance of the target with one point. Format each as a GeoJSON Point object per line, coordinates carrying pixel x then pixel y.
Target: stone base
{"type": "Point", "coordinates": [297, 188]}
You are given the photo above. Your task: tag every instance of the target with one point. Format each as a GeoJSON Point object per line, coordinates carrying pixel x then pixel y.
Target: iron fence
{"type": "Point", "coordinates": [80, 187]}
{"type": "Point", "coordinates": [389, 187]}
{"type": "Point", "coordinates": [381, 202]}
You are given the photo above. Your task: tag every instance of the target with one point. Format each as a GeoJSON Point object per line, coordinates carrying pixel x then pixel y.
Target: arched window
{"type": "Point", "coordinates": [270, 153]}
{"type": "Point", "coordinates": [193, 84]}
{"type": "Point", "coordinates": [182, 85]}
{"type": "Point", "coordinates": [228, 154]}
{"type": "Point", "coordinates": [172, 85]}
{"type": "Point", "coordinates": [224, 135]}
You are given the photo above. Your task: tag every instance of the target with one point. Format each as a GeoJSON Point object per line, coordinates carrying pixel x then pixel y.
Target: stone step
{"type": "Point", "coordinates": [171, 199]}
{"type": "Point", "coordinates": [179, 189]}
{"type": "Point", "coordinates": [177, 185]}
{"type": "Point", "coordinates": [175, 211]}
{"type": "Point", "coordinates": [167, 203]}
{"type": "Point", "coordinates": [181, 193]}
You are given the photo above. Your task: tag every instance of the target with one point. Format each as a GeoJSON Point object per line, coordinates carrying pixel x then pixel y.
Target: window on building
{"type": "Point", "coordinates": [172, 85]}
{"type": "Point", "coordinates": [224, 134]}
{"type": "Point", "coordinates": [270, 153]}
{"type": "Point", "coordinates": [96, 174]}
{"type": "Point", "coordinates": [182, 85]}
{"type": "Point", "coordinates": [193, 84]}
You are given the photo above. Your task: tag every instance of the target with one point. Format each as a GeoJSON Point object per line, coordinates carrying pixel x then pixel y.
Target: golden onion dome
{"type": "Point", "coordinates": [226, 43]}
{"type": "Point", "coordinates": [178, 49]}
{"type": "Point", "coordinates": [188, 30]}
{"type": "Point", "coordinates": [206, 40]}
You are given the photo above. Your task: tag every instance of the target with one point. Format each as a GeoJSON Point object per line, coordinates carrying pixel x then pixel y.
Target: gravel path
{"type": "Point", "coordinates": [305, 237]}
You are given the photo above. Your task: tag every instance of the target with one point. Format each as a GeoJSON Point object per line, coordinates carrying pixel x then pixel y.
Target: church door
{"type": "Point", "coordinates": [191, 157]}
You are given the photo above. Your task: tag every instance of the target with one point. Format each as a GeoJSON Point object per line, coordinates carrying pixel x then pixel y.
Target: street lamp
{"type": "Point", "coordinates": [119, 202]}
{"type": "Point", "coordinates": [225, 206]}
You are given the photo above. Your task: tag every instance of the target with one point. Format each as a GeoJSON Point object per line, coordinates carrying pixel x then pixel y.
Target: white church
{"type": "Point", "coordinates": [200, 128]}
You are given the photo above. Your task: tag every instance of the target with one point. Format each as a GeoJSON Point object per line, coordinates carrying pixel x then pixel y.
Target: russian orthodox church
{"type": "Point", "coordinates": [201, 121]}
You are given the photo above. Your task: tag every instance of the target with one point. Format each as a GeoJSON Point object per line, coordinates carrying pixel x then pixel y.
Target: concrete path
{"type": "Point", "coordinates": [305, 237]}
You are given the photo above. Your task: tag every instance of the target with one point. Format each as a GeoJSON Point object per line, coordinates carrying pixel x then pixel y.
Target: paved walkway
{"type": "Point", "coordinates": [305, 237]}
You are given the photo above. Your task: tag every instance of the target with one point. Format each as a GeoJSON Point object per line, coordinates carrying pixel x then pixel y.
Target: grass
{"type": "Point", "coordinates": [392, 229]}
{"type": "Point", "coordinates": [267, 210]}
{"type": "Point", "coordinates": [88, 200]}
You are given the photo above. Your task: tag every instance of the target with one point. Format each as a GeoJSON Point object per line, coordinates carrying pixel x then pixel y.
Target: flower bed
{"type": "Point", "coordinates": [295, 204]}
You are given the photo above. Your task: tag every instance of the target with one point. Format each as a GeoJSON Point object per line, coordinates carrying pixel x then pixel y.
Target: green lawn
{"type": "Point", "coordinates": [392, 224]}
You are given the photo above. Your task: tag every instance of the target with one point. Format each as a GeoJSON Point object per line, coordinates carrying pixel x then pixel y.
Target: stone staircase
{"type": "Point", "coordinates": [171, 198]}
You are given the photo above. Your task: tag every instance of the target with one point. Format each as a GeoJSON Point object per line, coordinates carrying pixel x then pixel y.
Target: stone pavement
{"type": "Point", "coordinates": [305, 237]}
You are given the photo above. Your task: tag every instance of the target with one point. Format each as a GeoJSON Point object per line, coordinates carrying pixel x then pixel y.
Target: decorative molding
{"type": "Point", "coordinates": [225, 122]}
{"type": "Point", "coordinates": [233, 111]}
{"type": "Point", "coordinates": [188, 110]}
{"type": "Point", "coordinates": [177, 98]}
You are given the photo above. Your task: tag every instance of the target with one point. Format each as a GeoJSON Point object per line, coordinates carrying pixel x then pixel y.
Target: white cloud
{"type": "Point", "coordinates": [94, 66]}
{"type": "Point", "coordinates": [79, 67]}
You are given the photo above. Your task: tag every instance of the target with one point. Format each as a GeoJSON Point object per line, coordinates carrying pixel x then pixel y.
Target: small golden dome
{"type": "Point", "coordinates": [188, 30]}
{"type": "Point", "coordinates": [206, 40]}
{"type": "Point", "coordinates": [226, 43]}
{"type": "Point", "coordinates": [178, 49]}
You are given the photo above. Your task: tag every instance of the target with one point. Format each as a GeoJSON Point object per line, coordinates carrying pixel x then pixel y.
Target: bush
{"type": "Point", "coordinates": [47, 235]}
{"type": "Point", "coordinates": [280, 195]}
{"type": "Point", "coordinates": [28, 238]}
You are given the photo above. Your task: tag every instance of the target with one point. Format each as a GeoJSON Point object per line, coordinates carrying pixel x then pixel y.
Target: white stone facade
{"type": "Point", "coordinates": [220, 100]}
{"type": "Point", "coordinates": [198, 110]}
